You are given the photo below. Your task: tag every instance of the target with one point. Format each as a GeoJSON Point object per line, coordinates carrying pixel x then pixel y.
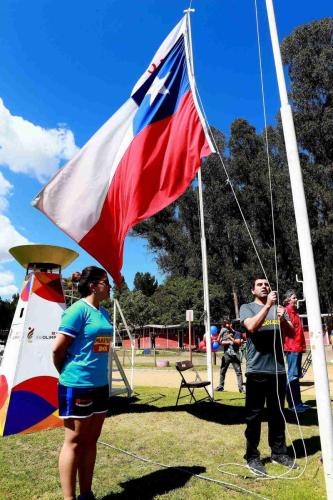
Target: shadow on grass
{"type": "Point", "coordinates": [216, 412]}
{"type": "Point", "coordinates": [312, 445]}
{"type": "Point", "coordinates": [308, 418]}
{"type": "Point", "coordinates": [156, 483]}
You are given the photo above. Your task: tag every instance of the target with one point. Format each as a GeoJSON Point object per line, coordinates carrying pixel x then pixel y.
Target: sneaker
{"type": "Point", "coordinates": [256, 466]}
{"type": "Point", "coordinates": [306, 407]}
{"type": "Point", "coordinates": [242, 390]}
{"type": "Point", "coordinates": [285, 460]}
{"type": "Point", "coordinates": [219, 388]}
{"type": "Point", "coordinates": [86, 496]}
{"type": "Point", "coordinates": [297, 409]}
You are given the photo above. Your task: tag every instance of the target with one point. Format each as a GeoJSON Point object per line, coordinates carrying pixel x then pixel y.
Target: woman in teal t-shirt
{"type": "Point", "coordinates": [80, 354]}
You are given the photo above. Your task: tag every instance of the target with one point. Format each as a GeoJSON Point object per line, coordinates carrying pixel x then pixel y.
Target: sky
{"type": "Point", "coordinates": [67, 66]}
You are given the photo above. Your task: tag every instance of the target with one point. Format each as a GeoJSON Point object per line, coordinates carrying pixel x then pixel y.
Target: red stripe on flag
{"type": "Point", "coordinates": [156, 169]}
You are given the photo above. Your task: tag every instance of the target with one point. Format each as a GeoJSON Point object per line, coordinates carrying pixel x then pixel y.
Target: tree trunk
{"type": "Point", "coordinates": [235, 298]}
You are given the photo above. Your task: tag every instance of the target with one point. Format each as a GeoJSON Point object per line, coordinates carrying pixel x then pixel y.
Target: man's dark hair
{"type": "Point", "coordinates": [91, 274]}
{"type": "Point", "coordinates": [258, 277]}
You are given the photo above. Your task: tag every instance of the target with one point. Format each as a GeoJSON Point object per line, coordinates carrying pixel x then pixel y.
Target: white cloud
{"type": "Point", "coordinates": [8, 291]}
{"type": "Point", "coordinates": [6, 278]}
{"type": "Point", "coordinates": [5, 190]}
{"type": "Point", "coordinates": [30, 149]}
{"type": "Point", "coordinates": [9, 237]}
{"type": "Point", "coordinates": [7, 287]}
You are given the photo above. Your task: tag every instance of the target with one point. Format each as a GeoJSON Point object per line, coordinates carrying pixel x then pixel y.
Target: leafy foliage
{"type": "Point", "coordinates": [174, 234]}
{"type": "Point", "coordinates": [7, 310]}
{"type": "Point", "coordinates": [146, 283]}
{"type": "Point", "coordinates": [138, 309]}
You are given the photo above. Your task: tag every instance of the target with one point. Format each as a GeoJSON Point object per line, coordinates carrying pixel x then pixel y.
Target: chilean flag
{"type": "Point", "coordinates": [141, 160]}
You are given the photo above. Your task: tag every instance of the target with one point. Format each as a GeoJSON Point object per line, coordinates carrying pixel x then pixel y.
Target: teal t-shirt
{"type": "Point", "coordinates": [86, 364]}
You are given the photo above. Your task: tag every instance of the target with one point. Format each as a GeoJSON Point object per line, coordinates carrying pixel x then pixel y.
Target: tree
{"type": "Point", "coordinates": [121, 290]}
{"type": "Point", "coordinates": [7, 311]}
{"type": "Point", "coordinates": [308, 52]}
{"type": "Point", "coordinates": [176, 295]}
{"type": "Point", "coordinates": [138, 309]}
{"type": "Point", "coordinates": [146, 283]}
{"type": "Point", "coordinates": [174, 234]}
{"type": "Point", "coordinates": [231, 259]}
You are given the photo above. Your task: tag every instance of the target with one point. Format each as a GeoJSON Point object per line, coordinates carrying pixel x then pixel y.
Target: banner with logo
{"type": "Point", "coordinates": [28, 379]}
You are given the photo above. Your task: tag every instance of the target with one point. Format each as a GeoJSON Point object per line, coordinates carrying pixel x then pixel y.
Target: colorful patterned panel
{"type": "Point", "coordinates": [26, 288]}
{"type": "Point", "coordinates": [48, 423]}
{"type": "Point", "coordinates": [44, 386]}
{"type": "Point", "coordinates": [33, 406]}
{"type": "Point", "coordinates": [3, 390]}
{"type": "Point", "coordinates": [48, 286]}
{"type": "Point", "coordinates": [3, 402]}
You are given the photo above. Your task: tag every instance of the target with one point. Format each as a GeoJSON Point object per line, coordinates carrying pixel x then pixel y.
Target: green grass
{"type": "Point", "coordinates": [196, 437]}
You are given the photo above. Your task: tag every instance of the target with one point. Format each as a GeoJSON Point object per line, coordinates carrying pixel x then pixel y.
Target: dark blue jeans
{"type": "Point", "coordinates": [227, 359]}
{"type": "Point", "coordinates": [294, 360]}
{"type": "Point", "coordinates": [261, 389]}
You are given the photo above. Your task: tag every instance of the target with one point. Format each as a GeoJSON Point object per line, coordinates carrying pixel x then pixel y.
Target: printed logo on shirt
{"type": "Point", "coordinates": [101, 344]}
{"type": "Point", "coordinates": [270, 322]}
{"type": "Point", "coordinates": [83, 403]}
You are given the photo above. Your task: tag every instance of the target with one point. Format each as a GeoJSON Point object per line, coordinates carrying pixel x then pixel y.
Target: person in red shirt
{"type": "Point", "coordinates": [294, 346]}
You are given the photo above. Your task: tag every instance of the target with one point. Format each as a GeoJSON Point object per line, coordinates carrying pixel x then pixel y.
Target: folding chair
{"type": "Point", "coordinates": [307, 363]}
{"type": "Point", "coordinates": [181, 367]}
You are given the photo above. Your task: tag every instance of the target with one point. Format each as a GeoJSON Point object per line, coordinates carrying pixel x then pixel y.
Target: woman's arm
{"type": "Point", "coordinates": [59, 349]}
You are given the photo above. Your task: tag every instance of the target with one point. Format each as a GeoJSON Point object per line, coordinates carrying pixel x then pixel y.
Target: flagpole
{"type": "Point", "coordinates": [308, 267]}
{"type": "Point", "coordinates": [205, 288]}
{"type": "Point", "coordinates": [189, 56]}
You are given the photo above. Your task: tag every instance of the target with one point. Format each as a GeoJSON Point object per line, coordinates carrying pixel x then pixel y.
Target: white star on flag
{"type": "Point", "coordinates": [158, 87]}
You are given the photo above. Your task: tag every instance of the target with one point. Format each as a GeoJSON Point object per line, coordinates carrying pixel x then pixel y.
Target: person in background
{"type": "Point", "coordinates": [294, 345]}
{"type": "Point", "coordinates": [231, 340]}
{"type": "Point", "coordinates": [266, 375]}
{"type": "Point", "coordinates": [80, 354]}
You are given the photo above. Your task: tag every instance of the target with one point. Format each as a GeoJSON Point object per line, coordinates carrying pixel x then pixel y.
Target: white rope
{"type": "Point", "coordinates": [229, 181]}
{"type": "Point", "coordinates": [267, 476]}
{"type": "Point", "coordinates": [275, 262]}
{"type": "Point", "coordinates": [181, 469]}
{"type": "Point", "coordinates": [257, 253]}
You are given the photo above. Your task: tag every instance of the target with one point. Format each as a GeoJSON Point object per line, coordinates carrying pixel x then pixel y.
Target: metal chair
{"type": "Point", "coordinates": [197, 383]}
{"type": "Point", "coordinates": [306, 364]}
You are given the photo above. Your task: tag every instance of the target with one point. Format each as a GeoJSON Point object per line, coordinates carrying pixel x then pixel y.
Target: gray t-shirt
{"type": "Point", "coordinates": [260, 344]}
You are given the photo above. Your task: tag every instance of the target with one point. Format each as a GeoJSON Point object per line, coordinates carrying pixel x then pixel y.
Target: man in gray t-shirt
{"type": "Point", "coordinates": [266, 376]}
{"type": "Point", "coordinates": [260, 350]}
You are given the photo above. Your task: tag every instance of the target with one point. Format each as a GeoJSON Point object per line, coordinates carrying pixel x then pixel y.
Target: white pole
{"type": "Point", "coordinates": [308, 267]}
{"type": "Point", "coordinates": [205, 289]}
{"type": "Point", "coordinates": [131, 340]}
{"type": "Point", "coordinates": [189, 57]}
{"type": "Point", "coordinates": [112, 347]}
{"type": "Point", "coordinates": [114, 323]}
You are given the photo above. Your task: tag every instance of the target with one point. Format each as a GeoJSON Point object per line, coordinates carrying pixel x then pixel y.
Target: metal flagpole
{"type": "Point", "coordinates": [308, 267]}
{"type": "Point", "coordinates": [131, 338]}
{"type": "Point", "coordinates": [114, 322]}
{"type": "Point", "coordinates": [188, 48]}
{"type": "Point", "coordinates": [205, 289]}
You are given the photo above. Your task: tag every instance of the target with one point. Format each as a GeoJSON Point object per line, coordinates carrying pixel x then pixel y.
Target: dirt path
{"type": "Point", "coordinates": [169, 377]}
